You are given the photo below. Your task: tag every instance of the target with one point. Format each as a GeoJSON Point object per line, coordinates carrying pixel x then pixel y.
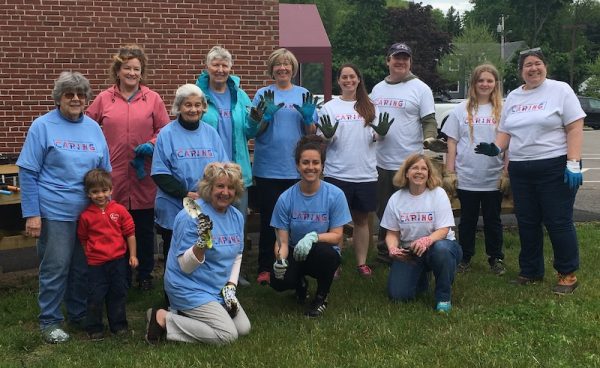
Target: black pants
{"type": "Point", "coordinates": [268, 191]}
{"type": "Point", "coordinates": [166, 235]}
{"type": "Point", "coordinates": [107, 286]}
{"type": "Point", "coordinates": [321, 263]}
{"type": "Point", "coordinates": [144, 237]}
{"type": "Point", "coordinates": [490, 203]}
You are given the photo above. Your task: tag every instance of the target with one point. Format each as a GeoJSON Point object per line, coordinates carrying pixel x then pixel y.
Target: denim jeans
{"type": "Point", "coordinates": [407, 279]}
{"type": "Point", "coordinates": [62, 274]}
{"type": "Point", "coordinates": [541, 196]}
{"type": "Point", "coordinates": [490, 203]}
{"type": "Point", "coordinates": [107, 286]}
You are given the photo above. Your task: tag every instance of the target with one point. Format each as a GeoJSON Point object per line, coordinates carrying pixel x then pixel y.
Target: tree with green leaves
{"type": "Point", "coordinates": [416, 27]}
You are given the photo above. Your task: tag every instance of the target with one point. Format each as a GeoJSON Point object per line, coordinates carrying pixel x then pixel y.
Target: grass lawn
{"type": "Point", "coordinates": [493, 324]}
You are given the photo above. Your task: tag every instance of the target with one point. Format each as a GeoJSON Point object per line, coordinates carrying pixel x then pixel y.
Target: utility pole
{"type": "Point", "coordinates": [500, 29]}
{"type": "Point", "coordinates": [573, 28]}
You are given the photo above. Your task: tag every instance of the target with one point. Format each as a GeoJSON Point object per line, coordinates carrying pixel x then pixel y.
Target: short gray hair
{"type": "Point", "coordinates": [218, 52]}
{"type": "Point", "coordinates": [71, 82]}
{"type": "Point", "coordinates": [216, 170]}
{"type": "Point", "coordinates": [184, 92]}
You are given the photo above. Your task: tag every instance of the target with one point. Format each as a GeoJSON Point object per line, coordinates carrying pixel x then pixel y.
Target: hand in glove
{"type": "Point", "coordinates": [383, 125]}
{"type": "Point", "coordinates": [435, 145]}
{"type": "Point", "coordinates": [309, 105]}
{"type": "Point", "coordinates": [573, 175]}
{"type": "Point", "coordinates": [269, 109]}
{"type": "Point", "coordinates": [504, 184]}
{"type": "Point", "coordinates": [421, 245]}
{"type": "Point", "coordinates": [279, 268]}
{"type": "Point", "coordinates": [449, 183]}
{"type": "Point", "coordinates": [138, 165]}
{"type": "Point", "coordinates": [256, 112]}
{"type": "Point", "coordinates": [326, 127]}
{"type": "Point", "coordinates": [488, 149]}
{"type": "Point", "coordinates": [304, 245]}
{"type": "Point", "coordinates": [230, 300]}
{"type": "Point", "coordinates": [144, 149]}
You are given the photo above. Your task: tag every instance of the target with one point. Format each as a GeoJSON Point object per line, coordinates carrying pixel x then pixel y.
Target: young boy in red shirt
{"type": "Point", "coordinates": [106, 230]}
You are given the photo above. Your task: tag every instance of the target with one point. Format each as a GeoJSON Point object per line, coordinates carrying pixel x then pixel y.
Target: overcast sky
{"type": "Point", "coordinates": [460, 5]}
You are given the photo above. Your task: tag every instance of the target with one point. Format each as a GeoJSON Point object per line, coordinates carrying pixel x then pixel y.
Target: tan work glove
{"type": "Point", "coordinates": [504, 185]}
{"type": "Point", "coordinates": [449, 183]}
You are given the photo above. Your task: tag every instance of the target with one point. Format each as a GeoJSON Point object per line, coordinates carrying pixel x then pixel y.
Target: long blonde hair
{"type": "Point", "coordinates": [495, 97]}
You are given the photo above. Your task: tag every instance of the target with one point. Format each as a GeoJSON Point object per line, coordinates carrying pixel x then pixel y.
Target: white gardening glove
{"type": "Point", "coordinates": [230, 300]}
{"type": "Point", "coordinates": [304, 245]}
{"type": "Point", "coordinates": [279, 268]}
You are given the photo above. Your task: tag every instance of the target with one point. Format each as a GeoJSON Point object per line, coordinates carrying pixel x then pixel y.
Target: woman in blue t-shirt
{"type": "Point", "coordinates": [308, 219]}
{"type": "Point", "coordinates": [204, 264]}
{"type": "Point", "coordinates": [61, 146]}
{"type": "Point", "coordinates": [285, 112]}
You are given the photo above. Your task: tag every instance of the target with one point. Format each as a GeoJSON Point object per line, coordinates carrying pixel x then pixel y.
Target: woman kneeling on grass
{"type": "Point", "coordinates": [204, 264]}
{"type": "Point", "coordinates": [418, 218]}
{"type": "Point", "coordinates": [308, 221]}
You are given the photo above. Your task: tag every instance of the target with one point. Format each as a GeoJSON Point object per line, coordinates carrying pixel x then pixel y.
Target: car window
{"type": "Point", "coordinates": [594, 103]}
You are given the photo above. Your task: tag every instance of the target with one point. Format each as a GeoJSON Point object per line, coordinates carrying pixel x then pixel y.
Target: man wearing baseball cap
{"type": "Point", "coordinates": [410, 103]}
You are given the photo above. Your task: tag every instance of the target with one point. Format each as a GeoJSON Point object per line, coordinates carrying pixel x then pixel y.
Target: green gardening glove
{"type": "Point", "coordinates": [304, 245]}
{"type": "Point", "coordinates": [384, 124]}
{"type": "Point", "coordinates": [326, 127]}
{"type": "Point", "coordinates": [309, 105]}
{"type": "Point", "coordinates": [269, 108]}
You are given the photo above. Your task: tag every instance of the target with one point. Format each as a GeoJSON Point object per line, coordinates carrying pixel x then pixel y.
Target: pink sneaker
{"type": "Point", "coordinates": [364, 270]}
{"type": "Point", "coordinates": [264, 278]}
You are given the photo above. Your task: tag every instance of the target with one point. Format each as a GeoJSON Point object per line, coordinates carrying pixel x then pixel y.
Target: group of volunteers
{"type": "Point", "coordinates": [97, 184]}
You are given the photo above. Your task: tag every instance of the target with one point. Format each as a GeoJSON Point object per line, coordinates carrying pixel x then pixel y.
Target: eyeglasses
{"type": "Point", "coordinates": [71, 95]}
{"type": "Point", "coordinates": [284, 64]}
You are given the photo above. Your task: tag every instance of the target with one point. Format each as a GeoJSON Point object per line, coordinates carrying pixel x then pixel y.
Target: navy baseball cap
{"type": "Point", "coordinates": [399, 48]}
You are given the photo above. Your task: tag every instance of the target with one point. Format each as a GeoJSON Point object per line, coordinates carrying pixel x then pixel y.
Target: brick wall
{"type": "Point", "coordinates": [41, 38]}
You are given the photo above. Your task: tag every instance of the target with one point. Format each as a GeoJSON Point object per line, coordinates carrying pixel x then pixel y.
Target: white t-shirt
{"type": "Point", "coordinates": [418, 216]}
{"type": "Point", "coordinates": [351, 151]}
{"type": "Point", "coordinates": [536, 119]}
{"type": "Point", "coordinates": [407, 103]}
{"type": "Point", "coordinates": [474, 172]}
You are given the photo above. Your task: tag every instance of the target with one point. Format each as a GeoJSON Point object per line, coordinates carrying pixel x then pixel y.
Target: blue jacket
{"type": "Point", "coordinates": [243, 128]}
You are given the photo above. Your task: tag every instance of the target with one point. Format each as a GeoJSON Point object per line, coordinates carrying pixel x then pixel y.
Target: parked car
{"type": "Point", "coordinates": [591, 106]}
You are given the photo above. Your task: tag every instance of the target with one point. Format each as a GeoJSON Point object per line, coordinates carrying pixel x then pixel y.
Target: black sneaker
{"type": "Point", "coordinates": [463, 267]}
{"type": "Point", "coordinates": [96, 336]}
{"type": "Point", "coordinates": [497, 267]}
{"type": "Point", "coordinates": [317, 307]}
{"type": "Point", "coordinates": [154, 331]}
{"type": "Point", "coordinates": [302, 292]}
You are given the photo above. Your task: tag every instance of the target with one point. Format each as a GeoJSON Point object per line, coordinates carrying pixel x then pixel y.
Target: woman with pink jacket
{"type": "Point", "coordinates": [131, 116]}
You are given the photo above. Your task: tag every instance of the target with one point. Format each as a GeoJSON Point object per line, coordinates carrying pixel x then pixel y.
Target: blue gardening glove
{"type": "Point", "coordinates": [230, 300]}
{"type": "Point", "coordinates": [383, 125]}
{"type": "Point", "coordinates": [326, 127]}
{"type": "Point", "coordinates": [304, 245]}
{"type": "Point", "coordinates": [279, 268]}
{"type": "Point", "coordinates": [573, 175]}
{"type": "Point", "coordinates": [269, 107]}
{"type": "Point", "coordinates": [144, 149]}
{"type": "Point", "coordinates": [138, 164]}
{"type": "Point", "coordinates": [309, 105]}
{"type": "Point", "coordinates": [488, 149]}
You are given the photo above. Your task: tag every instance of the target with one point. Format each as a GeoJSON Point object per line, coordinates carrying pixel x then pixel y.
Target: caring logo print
{"type": "Point", "coordinates": [305, 216]}
{"type": "Point", "coordinates": [225, 114]}
{"type": "Point", "coordinates": [396, 103]}
{"type": "Point", "coordinates": [540, 106]}
{"type": "Point", "coordinates": [227, 239]}
{"type": "Point", "coordinates": [348, 117]}
{"type": "Point", "coordinates": [482, 120]}
{"type": "Point", "coordinates": [66, 145]}
{"type": "Point", "coordinates": [416, 217]}
{"type": "Point", "coordinates": [192, 153]}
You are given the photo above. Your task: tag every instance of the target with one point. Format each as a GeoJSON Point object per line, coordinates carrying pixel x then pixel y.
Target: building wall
{"type": "Point", "coordinates": [41, 38]}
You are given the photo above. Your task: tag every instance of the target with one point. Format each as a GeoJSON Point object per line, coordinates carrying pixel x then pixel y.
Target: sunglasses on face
{"type": "Point", "coordinates": [71, 95]}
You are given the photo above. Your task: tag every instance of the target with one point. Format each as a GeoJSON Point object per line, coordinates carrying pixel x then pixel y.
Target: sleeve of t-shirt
{"type": "Point", "coordinates": [30, 204]}
{"type": "Point", "coordinates": [390, 220]}
{"type": "Point", "coordinates": [160, 157]}
{"type": "Point", "coordinates": [280, 218]}
{"type": "Point", "coordinates": [340, 213]}
{"type": "Point", "coordinates": [444, 216]}
{"type": "Point", "coordinates": [572, 110]}
{"type": "Point", "coordinates": [427, 103]}
{"type": "Point", "coordinates": [450, 128]}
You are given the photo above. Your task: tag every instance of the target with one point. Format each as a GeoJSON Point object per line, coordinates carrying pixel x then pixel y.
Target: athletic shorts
{"type": "Point", "coordinates": [361, 197]}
